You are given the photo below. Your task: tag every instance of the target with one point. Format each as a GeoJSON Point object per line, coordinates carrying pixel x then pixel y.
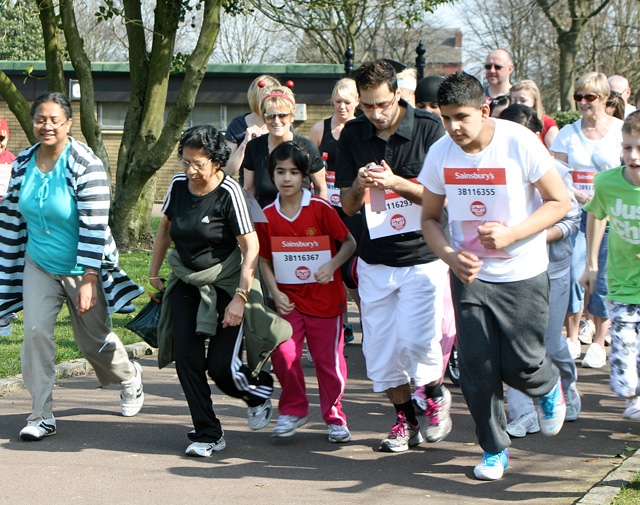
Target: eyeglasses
{"type": "Point", "coordinates": [379, 106]}
{"type": "Point", "coordinates": [589, 97]}
{"type": "Point", "coordinates": [41, 123]}
{"type": "Point", "coordinates": [196, 166]}
{"type": "Point", "coordinates": [279, 115]}
{"type": "Point", "coordinates": [497, 67]}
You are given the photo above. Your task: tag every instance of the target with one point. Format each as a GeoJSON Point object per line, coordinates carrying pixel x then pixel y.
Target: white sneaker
{"type": "Point", "coordinates": [38, 429]}
{"type": "Point", "coordinates": [574, 403]}
{"type": "Point", "coordinates": [439, 423]}
{"type": "Point", "coordinates": [492, 466]}
{"type": "Point", "coordinates": [596, 357]}
{"type": "Point", "coordinates": [205, 449]}
{"type": "Point", "coordinates": [338, 433]}
{"type": "Point", "coordinates": [525, 424]}
{"type": "Point", "coordinates": [575, 349]}
{"type": "Point", "coordinates": [258, 417]}
{"type": "Point", "coordinates": [132, 395]}
{"type": "Point", "coordinates": [633, 409]}
{"type": "Point", "coordinates": [551, 411]}
{"type": "Point", "coordinates": [587, 331]}
{"type": "Point", "coordinates": [287, 425]}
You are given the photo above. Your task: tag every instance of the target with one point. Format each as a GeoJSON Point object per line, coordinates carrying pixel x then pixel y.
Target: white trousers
{"type": "Point", "coordinates": [401, 311]}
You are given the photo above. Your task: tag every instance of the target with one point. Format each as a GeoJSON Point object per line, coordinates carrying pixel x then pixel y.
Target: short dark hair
{"type": "Point", "coordinates": [631, 125]}
{"type": "Point", "coordinates": [208, 138]}
{"type": "Point", "coordinates": [524, 115]}
{"type": "Point", "coordinates": [55, 97]}
{"type": "Point", "coordinates": [461, 88]}
{"type": "Point", "coordinates": [375, 73]}
{"type": "Point", "coordinates": [289, 150]}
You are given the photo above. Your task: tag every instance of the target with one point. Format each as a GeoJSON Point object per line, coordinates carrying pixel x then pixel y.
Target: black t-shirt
{"type": "Point", "coordinates": [204, 228]}
{"type": "Point", "coordinates": [256, 159]}
{"type": "Point", "coordinates": [237, 129]}
{"type": "Point", "coordinates": [404, 152]}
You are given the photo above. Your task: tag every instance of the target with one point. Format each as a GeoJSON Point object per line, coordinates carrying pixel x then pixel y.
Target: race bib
{"type": "Point", "coordinates": [400, 215]}
{"type": "Point", "coordinates": [297, 259]}
{"type": "Point", "coordinates": [5, 175]}
{"type": "Point", "coordinates": [583, 181]}
{"type": "Point", "coordinates": [334, 193]}
{"type": "Point", "coordinates": [477, 194]}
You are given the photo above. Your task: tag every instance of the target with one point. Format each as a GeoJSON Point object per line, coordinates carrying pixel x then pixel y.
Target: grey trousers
{"type": "Point", "coordinates": [557, 347]}
{"type": "Point", "coordinates": [43, 295]}
{"type": "Point", "coordinates": [501, 330]}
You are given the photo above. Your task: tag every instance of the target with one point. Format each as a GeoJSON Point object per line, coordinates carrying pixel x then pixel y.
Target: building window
{"type": "Point", "coordinates": [111, 115]}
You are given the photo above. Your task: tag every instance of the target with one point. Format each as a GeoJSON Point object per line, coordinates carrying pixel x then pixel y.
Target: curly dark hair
{"type": "Point", "coordinates": [208, 138]}
{"type": "Point", "coordinates": [374, 73]}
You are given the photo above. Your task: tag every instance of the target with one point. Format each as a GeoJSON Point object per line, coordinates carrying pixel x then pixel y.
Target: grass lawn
{"type": "Point", "coordinates": [136, 264]}
{"type": "Point", "coordinates": [629, 494]}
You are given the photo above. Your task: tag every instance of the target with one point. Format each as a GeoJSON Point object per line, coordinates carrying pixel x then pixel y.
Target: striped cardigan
{"type": "Point", "coordinates": [87, 180]}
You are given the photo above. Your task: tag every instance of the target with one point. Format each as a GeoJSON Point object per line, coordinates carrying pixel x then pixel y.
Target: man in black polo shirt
{"type": "Point", "coordinates": [401, 281]}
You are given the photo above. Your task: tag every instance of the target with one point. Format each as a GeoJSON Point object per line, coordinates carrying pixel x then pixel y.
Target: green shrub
{"type": "Point", "coordinates": [565, 117]}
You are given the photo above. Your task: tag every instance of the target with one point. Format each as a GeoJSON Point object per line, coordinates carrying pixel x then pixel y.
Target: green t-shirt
{"type": "Point", "coordinates": [620, 201]}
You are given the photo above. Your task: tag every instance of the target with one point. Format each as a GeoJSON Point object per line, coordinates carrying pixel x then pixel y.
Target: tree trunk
{"type": "Point", "coordinates": [568, 45]}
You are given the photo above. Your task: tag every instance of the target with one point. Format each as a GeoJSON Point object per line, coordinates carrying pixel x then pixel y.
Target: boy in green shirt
{"type": "Point", "coordinates": [617, 199]}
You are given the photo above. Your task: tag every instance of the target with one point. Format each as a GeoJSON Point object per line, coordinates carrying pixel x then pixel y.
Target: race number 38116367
{"type": "Point", "coordinates": [297, 259]}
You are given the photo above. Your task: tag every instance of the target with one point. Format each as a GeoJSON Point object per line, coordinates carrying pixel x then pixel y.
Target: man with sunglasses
{"type": "Point", "coordinates": [401, 281]}
{"type": "Point", "coordinates": [498, 69]}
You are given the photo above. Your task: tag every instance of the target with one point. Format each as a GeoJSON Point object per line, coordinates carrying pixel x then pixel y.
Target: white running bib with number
{"type": "Point", "coordinates": [583, 181]}
{"type": "Point", "coordinates": [333, 192]}
{"type": "Point", "coordinates": [477, 194]}
{"type": "Point", "coordinates": [297, 259]}
{"type": "Point", "coordinates": [400, 216]}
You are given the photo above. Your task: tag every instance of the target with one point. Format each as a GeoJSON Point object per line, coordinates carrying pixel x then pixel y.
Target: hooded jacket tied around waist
{"type": "Point", "coordinates": [89, 186]}
{"type": "Point", "coordinates": [264, 330]}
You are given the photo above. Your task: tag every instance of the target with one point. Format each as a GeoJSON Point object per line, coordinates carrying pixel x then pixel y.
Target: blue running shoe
{"type": "Point", "coordinates": [552, 410]}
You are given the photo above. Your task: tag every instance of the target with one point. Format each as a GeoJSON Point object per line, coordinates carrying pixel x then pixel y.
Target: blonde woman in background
{"type": "Point", "coordinates": [278, 109]}
{"type": "Point", "coordinates": [248, 126]}
{"type": "Point", "coordinates": [527, 93]}
{"type": "Point", "coordinates": [325, 134]}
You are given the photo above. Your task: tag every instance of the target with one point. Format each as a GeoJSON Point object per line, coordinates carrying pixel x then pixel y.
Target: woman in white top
{"type": "Point", "coordinates": [590, 145]}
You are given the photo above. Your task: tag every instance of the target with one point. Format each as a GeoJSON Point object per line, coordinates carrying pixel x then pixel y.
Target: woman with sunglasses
{"type": "Point", "coordinates": [278, 110]}
{"type": "Point", "coordinates": [590, 145]}
{"type": "Point", "coordinates": [55, 249]}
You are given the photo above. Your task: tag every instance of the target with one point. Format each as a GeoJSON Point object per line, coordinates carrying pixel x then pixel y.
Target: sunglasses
{"type": "Point", "coordinates": [497, 67]}
{"type": "Point", "coordinates": [589, 97]}
{"type": "Point", "coordinates": [499, 101]}
{"type": "Point", "coordinates": [280, 116]}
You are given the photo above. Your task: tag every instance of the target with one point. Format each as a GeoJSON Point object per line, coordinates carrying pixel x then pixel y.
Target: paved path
{"type": "Point", "coordinates": [99, 457]}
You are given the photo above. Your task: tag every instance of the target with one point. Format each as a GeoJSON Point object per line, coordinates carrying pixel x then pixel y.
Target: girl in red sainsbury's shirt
{"type": "Point", "coordinates": [301, 268]}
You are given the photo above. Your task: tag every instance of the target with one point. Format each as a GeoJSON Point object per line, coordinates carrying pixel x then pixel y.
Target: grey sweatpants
{"type": "Point", "coordinates": [501, 330]}
{"type": "Point", "coordinates": [43, 295]}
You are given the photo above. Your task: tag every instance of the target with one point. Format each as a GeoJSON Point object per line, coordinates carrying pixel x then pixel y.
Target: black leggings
{"type": "Point", "coordinates": [222, 361]}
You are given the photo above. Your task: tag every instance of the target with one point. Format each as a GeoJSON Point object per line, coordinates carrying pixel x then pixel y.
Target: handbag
{"type": "Point", "coordinates": [145, 324]}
